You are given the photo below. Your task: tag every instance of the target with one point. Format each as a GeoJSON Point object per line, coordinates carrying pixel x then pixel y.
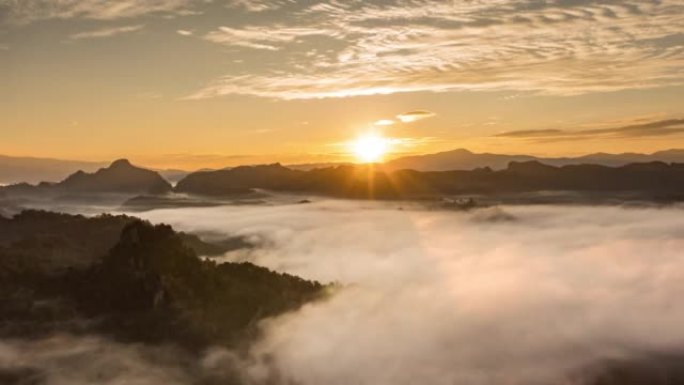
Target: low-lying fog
{"type": "Point", "coordinates": [509, 295]}
{"type": "Point", "coordinates": [502, 295]}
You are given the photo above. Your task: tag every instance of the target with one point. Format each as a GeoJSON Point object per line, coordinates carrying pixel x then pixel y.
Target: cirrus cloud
{"type": "Point", "coordinates": [553, 47]}
{"type": "Point", "coordinates": [329, 48]}
{"type": "Point", "coordinates": [25, 11]}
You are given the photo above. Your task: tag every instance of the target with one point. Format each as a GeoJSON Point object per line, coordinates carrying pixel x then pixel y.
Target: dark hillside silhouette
{"type": "Point", "coordinates": [132, 280]}
{"type": "Point", "coordinates": [656, 179]}
{"type": "Point", "coordinates": [121, 176]}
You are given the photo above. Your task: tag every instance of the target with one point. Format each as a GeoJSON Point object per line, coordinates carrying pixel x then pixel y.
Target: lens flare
{"type": "Point", "coordinates": [370, 148]}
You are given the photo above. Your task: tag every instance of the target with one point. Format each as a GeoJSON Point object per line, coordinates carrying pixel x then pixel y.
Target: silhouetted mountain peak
{"type": "Point", "coordinates": [460, 151]}
{"type": "Point", "coordinates": [121, 177]}
{"type": "Point", "coordinates": [121, 163]}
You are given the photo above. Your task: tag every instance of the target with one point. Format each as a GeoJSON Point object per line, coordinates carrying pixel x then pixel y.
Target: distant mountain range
{"type": "Point", "coordinates": [462, 159]}
{"type": "Point", "coordinates": [35, 170]}
{"type": "Point", "coordinates": [653, 180]}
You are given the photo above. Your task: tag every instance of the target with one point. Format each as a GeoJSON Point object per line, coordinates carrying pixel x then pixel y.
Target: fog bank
{"type": "Point", "coordinates": [516, 295]}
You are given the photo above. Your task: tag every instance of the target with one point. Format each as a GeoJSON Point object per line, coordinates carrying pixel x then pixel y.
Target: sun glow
{"type": "Point", "coordinates": [370, 148]}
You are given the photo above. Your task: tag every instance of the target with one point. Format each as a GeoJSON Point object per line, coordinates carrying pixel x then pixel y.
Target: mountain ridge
{"type": "Point", "coordinates": [653, 179]}
{"type": "Point", "coordinates": [524, 174]}
{"type": "Point", "coordinates": [15, 170]}
{"type": "Point", "coordinates": [463, 159]}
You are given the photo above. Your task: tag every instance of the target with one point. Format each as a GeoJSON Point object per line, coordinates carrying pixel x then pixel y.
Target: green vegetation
{"type": "Point", "coordinates": [153, 287]}
{"type": "Point", "coordinates": [146, 285]}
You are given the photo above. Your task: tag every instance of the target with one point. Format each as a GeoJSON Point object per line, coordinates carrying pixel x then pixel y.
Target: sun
{"type": "Point", "coordinates": [370, 148]}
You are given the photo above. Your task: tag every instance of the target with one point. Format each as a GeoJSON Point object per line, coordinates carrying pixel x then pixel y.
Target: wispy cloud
{"type": "Point", "coordinates": [650, 129]}
{"type": "Point", "coordinates": [414, 116]}
{"type": "Point", "coordinates": [25, 11]}
{"type": "Point", "coordinates": [405, 118]}
{"type": "Point", "coordinates": [383, 47]}
{"type": "Point", "coordinates": [330, 48]}
{"type": "Point", "coordinates": [258, 5]}
{"type": "Point", "coordinates": [106, 32]}
{"type": "Point", "coordinates": [262, 37]}
{"type": "Point", "coordinates": [533, 133]}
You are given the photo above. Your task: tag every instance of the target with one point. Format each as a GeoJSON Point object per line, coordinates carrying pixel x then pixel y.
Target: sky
{"type": "Point", "coordinates": [209, 83]}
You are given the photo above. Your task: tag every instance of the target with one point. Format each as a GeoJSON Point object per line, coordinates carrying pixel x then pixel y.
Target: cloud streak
{"type": "Point", "coordinates": [106, 32]}
{"type": "Point", "coordinates": [414, 116]}
{"type": "Point", "coordinates": [261, 37]}
{"type": "Point", "coordinates": [642, 130]}
{"type": "Point", "coordinates": [26, 11]}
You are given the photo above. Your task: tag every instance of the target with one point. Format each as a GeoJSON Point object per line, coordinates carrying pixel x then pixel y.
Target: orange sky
{"type": "Point", "coordinates": [191, 84]}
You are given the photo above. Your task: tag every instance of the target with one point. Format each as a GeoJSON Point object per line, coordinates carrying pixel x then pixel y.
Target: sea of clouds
{"type": "Point", "coordinates": [509, 295]}
{"type": "Point", "coordinates": [514, 295]}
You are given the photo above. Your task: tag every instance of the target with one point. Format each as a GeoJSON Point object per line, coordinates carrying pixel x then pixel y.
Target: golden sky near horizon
{"type": "Point", "coordinates": [209, 83]}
